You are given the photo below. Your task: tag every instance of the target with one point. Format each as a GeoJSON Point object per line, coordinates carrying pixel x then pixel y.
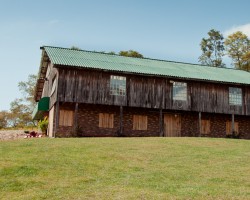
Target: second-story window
{"type": "Point", "coordinates": [235, 96]}
{"type": "Point", "coordinates": [117, 85]}
{"type": "Point", "coordinates": [53, 86]}
{"type": "Point", "coordinates": [180, 91]}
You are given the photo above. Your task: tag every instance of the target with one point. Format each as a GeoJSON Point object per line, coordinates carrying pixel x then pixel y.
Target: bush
{"type": "Point", "coordinates": [43, 124]}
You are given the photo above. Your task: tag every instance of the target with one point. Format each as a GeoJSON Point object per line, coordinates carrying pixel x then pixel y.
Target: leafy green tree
{"type": "Point", "coordinates": [112, 53]}
{"type": "Point", "coordinates": [237, 46]}
{"type": "Point", "coordinates": [21, 109]}
{"type": "Point", "coordinates": [212, 49]}
{"type": "Point", "coordinates": [246, 61]}
{"type": "Point", "coordinates": [28, 90]}
{"type": "Point", "coordinates": [20, 114]}
{"type": "Point", "coordinates": [3, 119]}
{"type": "Point", "coordinates": [131, 53]}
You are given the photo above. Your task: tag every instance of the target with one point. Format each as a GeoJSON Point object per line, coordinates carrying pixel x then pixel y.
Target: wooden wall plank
{"type": "Point", "coordinates": [89, 86]}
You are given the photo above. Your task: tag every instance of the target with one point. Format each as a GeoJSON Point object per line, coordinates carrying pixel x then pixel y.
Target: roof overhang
{"type": "Point", "coordinates": [41, 75]}
{"type": "Point", "coordinates": [41, 107]}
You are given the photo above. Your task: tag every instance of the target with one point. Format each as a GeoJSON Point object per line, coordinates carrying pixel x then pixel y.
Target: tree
{"type": "Point", "coordinates": [21, 109]}
{"type": "Point", "coordinates": [131, 53]}
{"type": "Point", "coordinates": [111, 53]}
{"type": "Point", "coordinates": [75, 48]}
{"type": "Point", "coordinates": [246, 61]}
{"type": "Point", "coordinates": [3, 119]}
{"type": "Point", "coordinates": [20, 114]}
{"type": "Point", "coordinates": [212, 49]}
{"type": "Point", "coordinates": [237, 46]}
{"type": "Point", "coordinates": [28, 90]}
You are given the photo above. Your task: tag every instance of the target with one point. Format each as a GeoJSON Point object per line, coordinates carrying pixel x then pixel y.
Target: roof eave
{"type": "Point", "coordinates": [41, 75]}
{"type": "Point", "coordinates": [150, 75]}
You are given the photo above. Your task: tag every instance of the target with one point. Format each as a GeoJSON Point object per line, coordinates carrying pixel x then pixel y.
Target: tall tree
{"type": "Point", "coordinates": [20, 114]}
{"type": "Point", "coordinates": [21, 109]}
{"type": "Point", "coordinates": [212, 49]}
{"type": "Point", "coordinates": [246, 61]}
{"type": "Point", "coordinates": [131, 53]}
{"type": "Point", "coordinates": [3, 119]}
{"type": "Point", "coordinates": [28, 90]}
{"type": "Point", "coordinates": [237, 46]}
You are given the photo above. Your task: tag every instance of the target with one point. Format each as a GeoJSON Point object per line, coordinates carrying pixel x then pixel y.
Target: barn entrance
{"type": "Point", "coordinates": [172, 125]}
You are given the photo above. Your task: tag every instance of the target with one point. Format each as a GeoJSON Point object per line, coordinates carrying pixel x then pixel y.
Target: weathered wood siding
{"type": "Point", "coordinates": [89, 86]}
{"type": "Point", "coordinates": [146, 92]}
{"type": "Point", "coordinates": [86, 87]}
{"type": "Point", "coordinates": [52, 74]}
{"type": "Point", "coordinates": [247, 100]}
{"type": "Point", "coordinates": [210, 97]}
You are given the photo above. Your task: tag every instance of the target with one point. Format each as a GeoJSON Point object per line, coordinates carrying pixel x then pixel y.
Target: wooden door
{"type": "Point", "coordinates": [172, 125]}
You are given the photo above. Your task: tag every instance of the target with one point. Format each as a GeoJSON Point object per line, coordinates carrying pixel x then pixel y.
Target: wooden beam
{"type": "Point", "coordinates": [199, 124]}
{"type": "Point", "coordinates": [75, 116]}
{"type": "Point", "coordinates": [160, 124]}
{"type": "Point", "coordinates": [232, 131]}
{"type": "Point", "coordinates": [56, 118]}
{"type": "Point", "coordinates": [121, 120]}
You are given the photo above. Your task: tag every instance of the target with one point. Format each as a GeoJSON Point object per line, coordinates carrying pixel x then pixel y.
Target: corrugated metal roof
{"type": "Point", "coordinates": [95, 60]}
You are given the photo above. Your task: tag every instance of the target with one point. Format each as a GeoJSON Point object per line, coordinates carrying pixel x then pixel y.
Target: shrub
{"type": "Point", "coordinates": [43, 124]}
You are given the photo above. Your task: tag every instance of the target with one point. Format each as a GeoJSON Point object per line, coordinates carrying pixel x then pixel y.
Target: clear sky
{"type": "Point", "coordinates": [163, 29]}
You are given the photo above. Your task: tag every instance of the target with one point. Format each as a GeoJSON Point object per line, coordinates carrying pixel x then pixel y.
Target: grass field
{"type": "Point", "coordinates": [125, 168]}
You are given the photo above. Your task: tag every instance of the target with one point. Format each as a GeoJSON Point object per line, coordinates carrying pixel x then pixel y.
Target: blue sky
{"type": "Point", "coordinates": [163, 29]}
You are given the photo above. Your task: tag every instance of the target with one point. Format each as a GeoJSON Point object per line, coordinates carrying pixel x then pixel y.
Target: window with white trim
{"type": "Point", "coordinates": [235, 96]}
{"type": "Point", "coordinates": [117, 85]}
{"type": "Point", "coordinates": [180, 91]}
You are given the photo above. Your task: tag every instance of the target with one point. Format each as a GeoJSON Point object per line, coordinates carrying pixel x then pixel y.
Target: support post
{"type": "Point", "coordinates": [121, 120]}
{"type": "Point", "coordinates": [57, 118]}
{"type": "Point", "coordinates": [232, 131]}
{"type": "Point", "coordinates": [75, 116]}
{"type": "Point", "coordinates": [199, 124]}
{"type": "Point", "coordinates": [160, 124]}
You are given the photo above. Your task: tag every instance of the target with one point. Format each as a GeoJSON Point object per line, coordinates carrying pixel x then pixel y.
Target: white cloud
{"type": "Point", "coordinates": [243, 28]}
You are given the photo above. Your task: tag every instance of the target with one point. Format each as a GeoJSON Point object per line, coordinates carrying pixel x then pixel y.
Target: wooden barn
{"type": "Point", "coordinates": [96, 94]}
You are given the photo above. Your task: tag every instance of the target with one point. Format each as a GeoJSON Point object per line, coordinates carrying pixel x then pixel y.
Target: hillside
{"type": "Point", "coordinates": [125, 168]}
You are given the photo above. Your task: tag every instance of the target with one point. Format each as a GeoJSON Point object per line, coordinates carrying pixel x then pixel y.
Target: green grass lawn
{"type": "Point", "coordinates": [125, 168]}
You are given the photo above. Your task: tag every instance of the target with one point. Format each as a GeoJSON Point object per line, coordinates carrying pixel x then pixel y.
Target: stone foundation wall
{"type": "Point", "coordinates": [88, 122]}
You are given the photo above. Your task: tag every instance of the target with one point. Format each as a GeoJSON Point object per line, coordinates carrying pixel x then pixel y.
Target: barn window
{"type": "Point", "coordinates": [106, 120]}
{"type": "Point", "coordinates": [53, 88]}
{"type": "Point", "coordinates": [118, 85]}
{"type": "Point", "coordinates": [180, 91]}
{"type": "Point", "coordinates": [235, 96]}
{"type": "Point", "coordinates": [205, 126]}
{"type": "Point", "coordinates": [66, 118]}
{"type": "Point", "coordinates": [140, 122]}
{"type": "Point", "coordinates": [229, 128]}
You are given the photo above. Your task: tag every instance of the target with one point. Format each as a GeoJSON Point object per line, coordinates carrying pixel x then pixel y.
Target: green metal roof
{"type": "Point", "coordinates": [41, 107]}
{"type": "Point", "coordinates": [95, 60]}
